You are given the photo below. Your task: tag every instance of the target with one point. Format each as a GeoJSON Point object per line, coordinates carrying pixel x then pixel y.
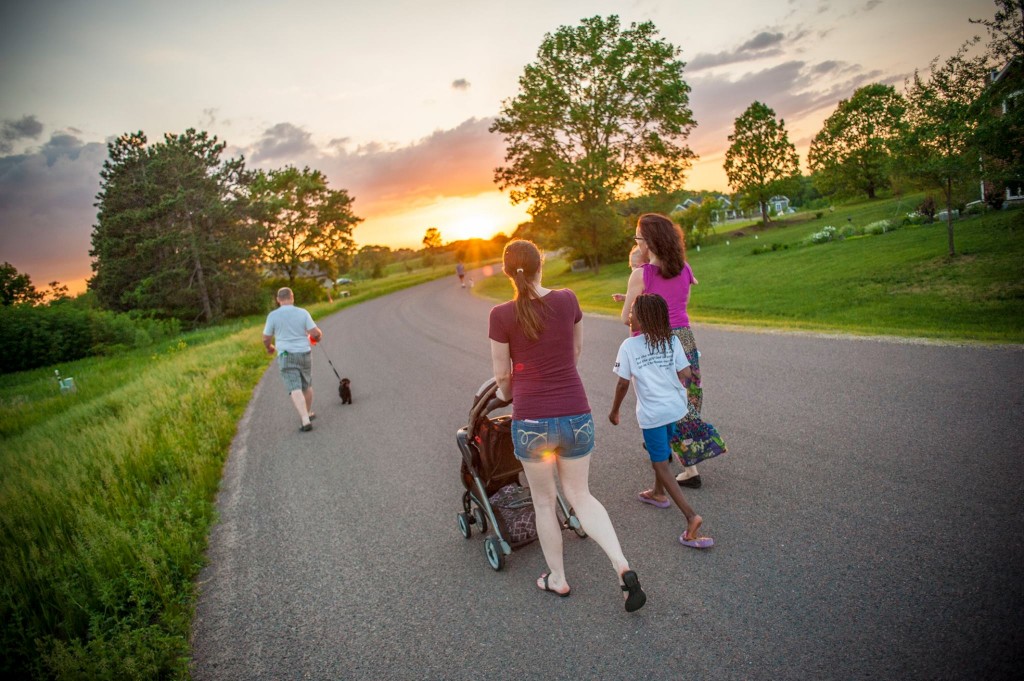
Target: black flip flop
{"type": "Point", "coordinates": [550, 590]}
{"type": "Point", "coordinates": [636, 598]}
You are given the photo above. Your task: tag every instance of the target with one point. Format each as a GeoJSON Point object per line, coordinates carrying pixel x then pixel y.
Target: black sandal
{"type": "Point", "coordinates": [636, 598]}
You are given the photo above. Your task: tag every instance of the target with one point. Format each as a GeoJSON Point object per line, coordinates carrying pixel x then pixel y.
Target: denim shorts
{"type": "Point", "coordinates": [568, 437]}
{"type": "Point", "coordinates": [657, 441]}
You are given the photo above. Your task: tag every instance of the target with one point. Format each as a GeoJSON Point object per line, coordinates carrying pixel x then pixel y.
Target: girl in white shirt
{"type": "Point", "coordinates": [655, 363]}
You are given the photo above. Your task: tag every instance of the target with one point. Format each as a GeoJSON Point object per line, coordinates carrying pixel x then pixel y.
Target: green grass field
{"type": "Point", "coordinates": [898, 283]}
{"type": "Point", "coordinates": [106, 497]}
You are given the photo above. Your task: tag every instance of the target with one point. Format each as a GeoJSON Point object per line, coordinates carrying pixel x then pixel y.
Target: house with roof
{"type": "Point", "coordinates": [1010, 80]}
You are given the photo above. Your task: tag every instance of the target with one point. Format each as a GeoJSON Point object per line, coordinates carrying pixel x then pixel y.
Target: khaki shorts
{"type": "Point", "coordinates": [296, 370]}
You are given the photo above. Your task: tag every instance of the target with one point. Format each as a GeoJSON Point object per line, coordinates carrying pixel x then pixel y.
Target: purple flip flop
{"type": "Point", "coordinates": [665, 503]}
{"type": "Point", "coordinates": [698, 543]}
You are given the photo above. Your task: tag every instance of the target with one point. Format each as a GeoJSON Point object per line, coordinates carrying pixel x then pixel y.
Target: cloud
{"type": "Point", "coordinates": [448, 163]}
{"type": "Point", "coordinates": [793, 89]}
{"type": "Point", "coordinates": [46, 208]}
{"type": "Point", "coordinates": [761, 41]}
{"type": "Point", "coordinates": [871, 4]}
{"type": "Point", "coordinates": [26, 127]}
{"type": "Point", "coordinates": [460, 84]}
{"type": "Point", "coordinates": [282, 142]}
{"type": "Point", "coordinates": [764, 44]}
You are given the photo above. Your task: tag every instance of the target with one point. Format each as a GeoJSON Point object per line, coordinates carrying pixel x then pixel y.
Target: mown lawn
{"type": "Point", "coordinates": [898, 283]}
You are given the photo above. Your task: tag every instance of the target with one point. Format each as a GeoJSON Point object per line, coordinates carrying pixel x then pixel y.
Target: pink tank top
{"type": "Point", "coordinates": [675, 291]}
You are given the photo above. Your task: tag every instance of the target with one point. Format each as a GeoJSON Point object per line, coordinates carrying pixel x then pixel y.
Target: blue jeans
{"type": "Point", "coordinates": [568, 437]}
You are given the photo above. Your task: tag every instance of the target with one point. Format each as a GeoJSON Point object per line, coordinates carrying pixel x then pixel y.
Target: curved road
{"type": "Point", "coordinates": [868, 518]}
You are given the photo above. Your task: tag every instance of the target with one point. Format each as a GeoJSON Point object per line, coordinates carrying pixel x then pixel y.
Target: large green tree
{"type": "Point", "coordinates": [173, 235]}
{"type": "Point", "coordinates": [307, 222]}
{"type": "Point", "coordinates": [602, 111]}
{"type": "Point", "coordinates": [761, 161]}
{"type": "Point", "coordinates": [939, 148]}
{"type": "Point", "coordinates": [852, 153]}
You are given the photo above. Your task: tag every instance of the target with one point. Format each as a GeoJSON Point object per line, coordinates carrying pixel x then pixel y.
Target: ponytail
{"type": "Point", "coordinates": [521, 262]}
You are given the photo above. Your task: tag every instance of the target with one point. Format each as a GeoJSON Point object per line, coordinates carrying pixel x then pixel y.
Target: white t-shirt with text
{"type": "Point", "coordinates": [660, 397]}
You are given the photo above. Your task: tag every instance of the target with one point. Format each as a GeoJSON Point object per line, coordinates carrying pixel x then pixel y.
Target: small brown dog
{"type": "Point", "coordinates": [345, 391]}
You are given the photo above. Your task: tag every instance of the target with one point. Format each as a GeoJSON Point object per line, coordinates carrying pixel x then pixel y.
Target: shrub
{"type": "Point", "coordinates": [41, 335]}
{"type": "Point", "coordinates": [307, 291]}
{"type": "Point", "coordinates": [827, 233]}
{"type": "Point", "coordinates": [880, 227]}
{"type": "Point", "coordinates": [818, 214]}
{"type": "Point", "coordinates": [927, 207]}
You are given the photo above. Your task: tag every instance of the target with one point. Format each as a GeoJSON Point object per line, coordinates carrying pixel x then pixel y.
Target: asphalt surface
{"type": "Point", "coordinates": [868, 518]}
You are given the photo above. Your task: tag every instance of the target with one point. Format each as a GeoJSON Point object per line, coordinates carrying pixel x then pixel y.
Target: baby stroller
{"type": "Point", "coordinates": [494, 498]}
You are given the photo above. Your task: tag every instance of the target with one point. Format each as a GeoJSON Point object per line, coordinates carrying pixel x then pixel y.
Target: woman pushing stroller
{"type": "Point", "coordinates": [536, 340]}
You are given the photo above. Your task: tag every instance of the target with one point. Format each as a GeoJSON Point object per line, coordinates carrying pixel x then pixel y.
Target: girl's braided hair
{"type": "Point", "coordinates": [651, 312]}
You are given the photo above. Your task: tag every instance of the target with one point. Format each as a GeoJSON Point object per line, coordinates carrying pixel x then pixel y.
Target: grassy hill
{"type": "Point", "coordinates": [900, 282]}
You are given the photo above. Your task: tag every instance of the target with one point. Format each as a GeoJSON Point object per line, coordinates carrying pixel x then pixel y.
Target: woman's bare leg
{"type": "Point", "coordinates": [575, 477]}
{"type": "Point", "coordinates": [541, 476]}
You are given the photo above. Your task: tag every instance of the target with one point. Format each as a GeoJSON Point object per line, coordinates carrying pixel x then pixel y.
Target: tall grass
{"type": "Point", "coordinates": [899, 283]}
{"type": "Point", "coordinates": [106, 499]}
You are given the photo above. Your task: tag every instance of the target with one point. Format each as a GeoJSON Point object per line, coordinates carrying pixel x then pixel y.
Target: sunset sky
{"type": "Point", "coordinates": [392, 99]}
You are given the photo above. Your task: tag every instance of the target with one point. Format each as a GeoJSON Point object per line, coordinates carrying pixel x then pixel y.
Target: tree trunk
{"type": "Point", "coordinates": [204, 294]}
{"type": "Point", "coordinates": [593, 242]}
{"type": "Point", "coordinates": [949, 215]}
{"type": "Point", "coordinates": [764, 214]}
{"type": "Point", "coordinates": [871, 191]}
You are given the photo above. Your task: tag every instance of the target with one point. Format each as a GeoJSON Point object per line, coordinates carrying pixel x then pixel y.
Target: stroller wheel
{"type": "Point", "coordinates": [481, 518]}
{"type": "Point", "coordinates": [495, 556]}
{"type": "Point", "coordinates": [464, 528]}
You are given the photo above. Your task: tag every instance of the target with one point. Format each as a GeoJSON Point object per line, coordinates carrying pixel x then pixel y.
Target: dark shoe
{"type": "Point", "coordinates": [692, 483]}
{"type": "Point", "coordinates": [636, 598]}
{"type": "Point", "coordinates": [550, 590]}
{"type": "Point", "coordinates": [312, 416]}
{"type": "Point", "coordinates": [306, 428]}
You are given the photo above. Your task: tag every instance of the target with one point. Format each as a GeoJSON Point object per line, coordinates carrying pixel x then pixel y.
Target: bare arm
{"type": "Point", "coordinates": [633, 289]}
{"type": "Point", "coordinates": [268, 343]}
{"type": "Point", "coordinates": [501, 363]}
{"type": "Point", "coordinates": [685, 375]}
{"type": "Point", "coordinates": [577, 341]}
{"type": "Point", "coordinates": [621, 388]}
{"type": "Point", "coordinates": [316, 334]}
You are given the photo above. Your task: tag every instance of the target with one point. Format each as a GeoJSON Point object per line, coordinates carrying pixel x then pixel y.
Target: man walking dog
{"type": "Point", "coordinates": [291, 327]}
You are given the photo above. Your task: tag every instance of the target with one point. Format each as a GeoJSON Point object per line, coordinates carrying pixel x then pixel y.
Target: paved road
{"type": "Point", "coordinates": [868, 519]}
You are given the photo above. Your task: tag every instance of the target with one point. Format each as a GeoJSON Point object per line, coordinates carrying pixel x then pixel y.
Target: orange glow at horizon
{"type": "Point", "coordinates": [481, 216]}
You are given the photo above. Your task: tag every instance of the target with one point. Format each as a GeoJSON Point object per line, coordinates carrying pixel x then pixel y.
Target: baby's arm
{"type": "Point", "coordinates": [621, 388]}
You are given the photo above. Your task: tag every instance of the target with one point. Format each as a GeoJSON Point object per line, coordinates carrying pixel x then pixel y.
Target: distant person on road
{"type": "Point", "coordinates": [655, 364]}
{"type": "Point", "coordinates": [668, 274]}
{"type": "Point", "coordinates": [460, 270]}
{"type": "Point", "coordinates": [536, 340]}
{"type": "Point", "coordinates": [293, 329]}
{"type": "Point", "coordinates": [635, 260]}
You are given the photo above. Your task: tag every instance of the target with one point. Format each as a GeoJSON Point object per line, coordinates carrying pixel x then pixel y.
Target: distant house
{"type": "Point", "coordinates": [688, 203]}
{"type": "Point", "coordinates": [780, 204]}
{"type": "Point", "coordinates": [307, 270]}
{"type": "Point", "coordinates": [1011, 79]}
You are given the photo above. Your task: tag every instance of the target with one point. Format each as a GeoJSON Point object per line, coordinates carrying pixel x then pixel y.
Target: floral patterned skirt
{"type": "Point", "coordinates": [694, 391]}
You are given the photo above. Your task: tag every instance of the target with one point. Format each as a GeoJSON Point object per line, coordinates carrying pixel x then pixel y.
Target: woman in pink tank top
{"type": "Point", "coordinates": [668, 274]}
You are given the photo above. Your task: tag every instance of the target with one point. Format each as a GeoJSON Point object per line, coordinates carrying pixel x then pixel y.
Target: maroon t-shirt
{"type": "Point", "coordinates": [545, 382]}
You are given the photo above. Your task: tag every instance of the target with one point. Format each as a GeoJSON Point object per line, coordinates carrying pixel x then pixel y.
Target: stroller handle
{"type": "Point", "coordinates": [485, 401]}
